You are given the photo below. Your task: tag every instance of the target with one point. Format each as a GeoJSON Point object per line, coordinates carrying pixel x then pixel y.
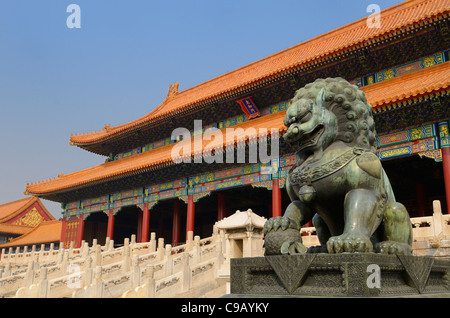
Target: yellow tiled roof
{"type": "Point", "coordinates": [46, 232]}
{"type": "Point", "coordinates": [426, 81]}
{"type": "Point", "coordinates": [395, 18]}
{"type": "Point", "coordinates": [12, 209]}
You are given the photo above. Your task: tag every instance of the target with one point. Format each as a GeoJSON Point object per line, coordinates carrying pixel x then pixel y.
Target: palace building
{"type": "Point", "coordinates": [20, 218]}
{"type": "Point", "coordinates": [402, 66]}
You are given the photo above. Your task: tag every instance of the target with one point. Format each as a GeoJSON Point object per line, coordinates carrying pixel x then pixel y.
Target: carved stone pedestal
{"type": "Point", "coordinates": [345, 275]}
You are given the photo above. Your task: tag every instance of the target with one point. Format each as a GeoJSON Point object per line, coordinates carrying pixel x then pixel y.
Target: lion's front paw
{"type": "Point", "coordinates": [284, 242]}
{"type": "Point", "coordinates": [391, 247]}
{"type": "Point", "coordinates": [282, 236]}
{"type": "Point", "coordinates": [349, 242]}
{"type": "Point", "coordinates": [279, 222]}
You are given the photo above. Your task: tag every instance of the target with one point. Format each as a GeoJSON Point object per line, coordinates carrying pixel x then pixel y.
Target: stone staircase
{"type": "Point", "coordinates": [150, 269]}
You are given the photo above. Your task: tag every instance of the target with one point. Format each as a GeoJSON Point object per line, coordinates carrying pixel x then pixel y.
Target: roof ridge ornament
{"type": "Point", "coordinates": [107, 128]}
{"type": "Point", "coordinates": [173, 90]}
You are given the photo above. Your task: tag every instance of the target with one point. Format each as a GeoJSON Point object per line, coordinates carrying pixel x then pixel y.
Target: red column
{"type": "Point", "coordinates": [221, 206]}
{"type": "Point", "coordinates": [276, 198]}
{"type": "Point", "coordinates": [80, 231]}
{"type": "Point", "coordinates": [145, 223]}
{"type": "Point", "coordinates": [63, 231]}
{"type": "Point", "coordinates": [176, 223]}
{"type": "Point", "coordinates": [110, 231]}
{"type": "Point", "coordinates": [446, 168]}
{"type": "Point", "coordinates": [190, 215]}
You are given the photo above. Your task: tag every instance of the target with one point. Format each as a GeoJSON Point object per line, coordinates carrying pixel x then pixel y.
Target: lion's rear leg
{"type": "Point", "coordinates": [323, 234]}
{"type": "Point", "coordinates": [361, 220]}
{"type": "Point", "coordinates": [397, 230]}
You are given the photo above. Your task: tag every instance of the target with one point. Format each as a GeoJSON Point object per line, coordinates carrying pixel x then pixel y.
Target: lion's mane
{"type": "Point", "coordinates": [348, 103]}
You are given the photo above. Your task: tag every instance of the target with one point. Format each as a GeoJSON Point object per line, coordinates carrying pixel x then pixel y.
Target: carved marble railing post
{"type": "Point", "coordinates": [190, 241]}
{"type": "Point", "coordinates": [152, 245]}
{"type": "Point", "coordinates": [111, 245]}
{"type": "Point", "coordinates": [168, 263]}
{"type": "Point", "coordinates": [43, 283]}
{"type": "Point", "coordinates": [160, 249]}
{"type": "Point", "coordinates": [219, 255]}
{"type": "Point", "coordinates": [437, 219]}
{"type": "Point", "coordinates": [98, 282]}
{"type": "Point", "coordinates": [196, 250]}
{"type": "Point", "coordinates": [65, 261]}
{"type": "Point", "coordinates": [126, 258]}
{"type": "Point", "coordinates": [33, 251]}
{"type": "Point", "coordinates": [98, 255]}
{"type": "Point", "coordinates": [7, 271]}
{"type": "Point", "coordinates": [136, 271]}
{"type": "Point", "coordinates": [150, 281]}
{"type": "Point", "coordinates": [88, 271]}
{"type": "Point", "coordinates": [186, 272]}
{"type": "Point", "coordinates": [51, 251]}
{"type": "Point", "coordinates": [10, 254]}
{"type": "Point", "coordinates": [29, 278]}
{"type": "Point", "coordinates": [71, 247]}
{"type": "Point", "coordinates": [84, 250]}
{"type": "Point", "coordinates": [42, 251]}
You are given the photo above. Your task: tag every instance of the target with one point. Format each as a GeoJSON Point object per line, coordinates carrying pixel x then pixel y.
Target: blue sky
{"type": "Point", "coordinates": [118, 66]}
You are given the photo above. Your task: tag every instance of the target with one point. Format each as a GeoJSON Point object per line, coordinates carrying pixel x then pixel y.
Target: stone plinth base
{"type": "Point", "coordinates": [347, 275]}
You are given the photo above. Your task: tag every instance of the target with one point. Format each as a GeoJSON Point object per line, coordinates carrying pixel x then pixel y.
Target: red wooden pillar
{"type": "Point", "coordinates": [276, 198]}
{"type": "Point", "coordinates": [145, 223]}
{"type": "Point", "coordinates": [446, 168]}
{"type": "Point", "coordinates": [80, 231]}
{"type": "Point", "coordinates": [221, 206]}
{"type": "Point", "coordinates": [110, 230]}
{"type": "Point", "coordinates": [63, 231]}
{"type": "Point", "coordinates": [190, 215]}
{"type": "Point", "coordinates": [176, 223]}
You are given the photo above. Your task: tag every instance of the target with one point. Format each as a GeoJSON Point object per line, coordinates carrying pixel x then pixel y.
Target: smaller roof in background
{"type": "Point", "coordinates": [242, 220]}
{"type": "Point", "coordinates": [46, 232]}
{"type": "Point", "coordinates": [11, 210]}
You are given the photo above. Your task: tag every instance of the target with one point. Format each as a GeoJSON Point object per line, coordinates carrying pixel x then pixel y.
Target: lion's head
{"type": "Point", "coordinates": [328, 110]}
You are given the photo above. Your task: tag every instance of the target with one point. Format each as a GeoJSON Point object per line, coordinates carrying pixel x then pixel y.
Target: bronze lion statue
{"type": "Point", "coordinates": [339, 183]}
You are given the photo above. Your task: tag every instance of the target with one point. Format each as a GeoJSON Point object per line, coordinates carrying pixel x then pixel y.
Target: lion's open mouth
{"type": "Point", "coordinates": [311, 138]}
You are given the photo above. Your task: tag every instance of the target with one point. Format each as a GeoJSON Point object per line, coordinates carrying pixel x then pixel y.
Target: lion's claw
{"type": "Point", "coordinates": [349, 242]}
{"type": "Point", "coordinates": [391, 247]}
{"type": "Point", "coordinates": [279, 222]}
{"type": "Point", "coordinates": [293, 247]}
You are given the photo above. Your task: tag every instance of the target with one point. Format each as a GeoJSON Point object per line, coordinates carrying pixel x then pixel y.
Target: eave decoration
{"type": "Point", "coordinates": [249, 107]}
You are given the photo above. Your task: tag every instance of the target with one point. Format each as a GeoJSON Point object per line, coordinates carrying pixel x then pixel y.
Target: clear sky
{"type": "Point", "coordinates": [118, 66]}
